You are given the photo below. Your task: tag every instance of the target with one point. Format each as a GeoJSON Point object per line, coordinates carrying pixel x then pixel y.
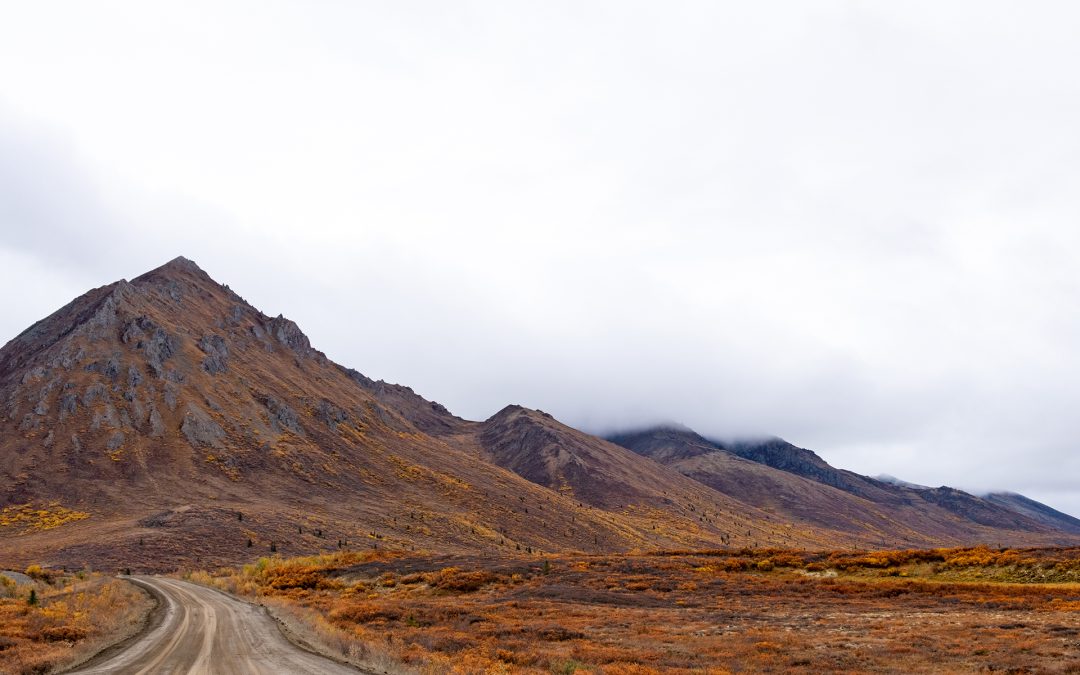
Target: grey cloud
{"type": "Point", "coordinates": [850, 225]}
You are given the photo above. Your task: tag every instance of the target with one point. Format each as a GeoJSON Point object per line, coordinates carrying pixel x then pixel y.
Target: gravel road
{"type": "Point", "coordinates": [203, 631]}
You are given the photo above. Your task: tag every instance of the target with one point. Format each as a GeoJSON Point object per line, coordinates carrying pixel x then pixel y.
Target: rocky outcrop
{"type": "Point", "coordinates": [156, 344]}
{"type": "Point", "coordinates": [330, 414]}
{"type": "Point", "coordinates": [200, 429]}
{"type": "Point", "coordinates": [281, 415]}
{"type": "Point", "coordinates": [283, 332]}
{"type": "Point", "coordinates": [217, 354]}
{"type": "Point", "coordinates": [286, 332]}
{"type": "Point", "coordinates": [157, 425]}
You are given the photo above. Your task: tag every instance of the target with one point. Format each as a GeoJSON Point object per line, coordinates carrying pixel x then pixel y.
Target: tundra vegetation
{"type": "Point", "coordinates": [750, 610]}
{"type": "Point", "coordinates": [58, 619]}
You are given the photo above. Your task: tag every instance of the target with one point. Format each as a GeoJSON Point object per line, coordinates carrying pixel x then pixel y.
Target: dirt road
{"type": "Point", "coordinates": [203, 631]}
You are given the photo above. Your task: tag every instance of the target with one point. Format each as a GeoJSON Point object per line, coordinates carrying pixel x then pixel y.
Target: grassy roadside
{"type": "Point", "coordinates": [753, 610]}
{"type": "Point", "coordinates": [56, 620]}
{"type": "Point", "coordinates": [303, 625]}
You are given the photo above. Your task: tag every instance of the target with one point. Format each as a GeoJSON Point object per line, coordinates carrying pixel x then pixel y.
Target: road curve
{"type": "Point", "coordinates": [206, 632]}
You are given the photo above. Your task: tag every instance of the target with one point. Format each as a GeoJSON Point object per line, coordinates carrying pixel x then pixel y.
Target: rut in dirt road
{"type": "Point", "coordinates": [205, 632]}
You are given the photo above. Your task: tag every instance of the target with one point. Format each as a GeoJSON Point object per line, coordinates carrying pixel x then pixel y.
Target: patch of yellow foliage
{"type": "Point", "coordinates": [34, 518]}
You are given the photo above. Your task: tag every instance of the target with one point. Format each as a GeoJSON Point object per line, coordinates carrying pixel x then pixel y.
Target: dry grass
{"type": "Point", "coordinates": [72, 617]}
{"type": "Point", "coordinates": [681, 612]}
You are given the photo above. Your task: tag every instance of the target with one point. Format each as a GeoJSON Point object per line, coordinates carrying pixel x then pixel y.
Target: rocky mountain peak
{"type": "Point", "coordinates": [513, 410]}
{"type": "Point", "coordinates": [666, 442]}
{"type": "Point", "coordinates": [508, 411]}
{"type": "Point", "coordinates": [177, 267]}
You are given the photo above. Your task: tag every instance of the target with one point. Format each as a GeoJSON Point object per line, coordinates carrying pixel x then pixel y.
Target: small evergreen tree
{"type": "Point", "coordinates": [273, 547]}
{"type": "Point", "coordinates": [32, 600]}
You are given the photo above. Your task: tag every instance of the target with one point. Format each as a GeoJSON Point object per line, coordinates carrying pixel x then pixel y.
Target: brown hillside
{"type": "Point", "coordinates": [164, 421]}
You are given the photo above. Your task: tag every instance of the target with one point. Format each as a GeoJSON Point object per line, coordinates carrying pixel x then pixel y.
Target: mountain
{"type": "Point", "coordinates": [164, 421]}
{"type": "Point", "coordinates": [796, 483]}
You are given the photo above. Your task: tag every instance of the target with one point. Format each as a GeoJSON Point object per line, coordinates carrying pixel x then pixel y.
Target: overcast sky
{"type": "Point", "coordinates": [855, 225]}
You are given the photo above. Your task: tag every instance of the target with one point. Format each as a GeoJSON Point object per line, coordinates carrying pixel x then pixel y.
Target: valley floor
{"type": "Point", "coordinates": [958, 610]}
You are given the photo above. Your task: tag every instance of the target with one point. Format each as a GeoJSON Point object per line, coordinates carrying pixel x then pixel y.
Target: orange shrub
{"type": "Point", "coordinates": [454, 580]}
{"type": "Point", "coordinates": [290, 576]}
{"type": "Point", "coordinates": [364, 613]}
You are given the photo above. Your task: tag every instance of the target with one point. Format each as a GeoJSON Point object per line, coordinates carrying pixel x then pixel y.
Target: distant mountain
{"type": "Point", "coordinates": [797, 484]}
{"type": "Point", "coordinates": [779, 454]}
{"type": "Point", "coordinates": [1035, 510]}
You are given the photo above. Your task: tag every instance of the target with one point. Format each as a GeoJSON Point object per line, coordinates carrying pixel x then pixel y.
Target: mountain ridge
{"type": "Point", "coordinates": [714, 463]}
{"type": "Point", "coordinates": [165, 420]}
